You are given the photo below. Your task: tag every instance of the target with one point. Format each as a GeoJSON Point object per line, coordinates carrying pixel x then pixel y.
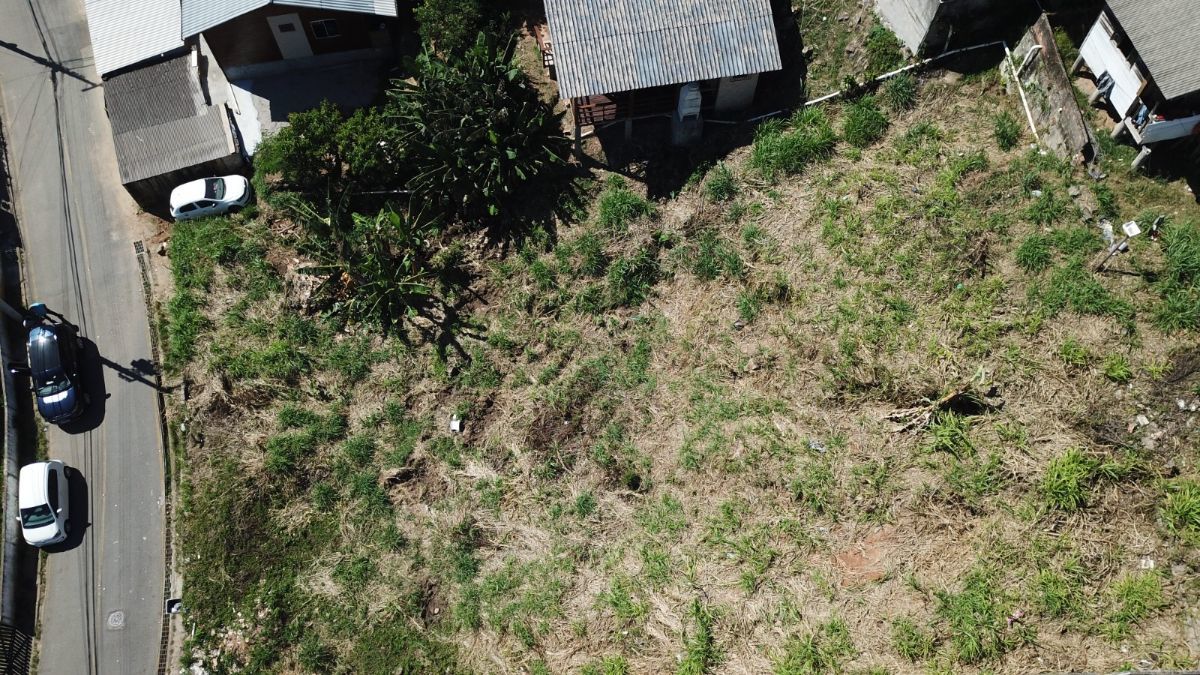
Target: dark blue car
{"type": "Point", "coordinates": [54, 369]}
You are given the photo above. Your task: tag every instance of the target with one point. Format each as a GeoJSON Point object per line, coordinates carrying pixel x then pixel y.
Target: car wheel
{"type": "Point", "coordinates": [234, 210]}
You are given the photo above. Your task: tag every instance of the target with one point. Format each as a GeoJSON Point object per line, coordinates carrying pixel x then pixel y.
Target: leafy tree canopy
{"type": "Point", "coordinates": [475, 131]}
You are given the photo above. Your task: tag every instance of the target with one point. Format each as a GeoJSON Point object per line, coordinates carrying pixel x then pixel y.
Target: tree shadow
{"type": "Point", "coordinates": [77, 496]}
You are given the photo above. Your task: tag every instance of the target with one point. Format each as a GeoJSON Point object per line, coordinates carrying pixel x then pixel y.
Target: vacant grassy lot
{"type": "Point", "coordinates": [702, 435]}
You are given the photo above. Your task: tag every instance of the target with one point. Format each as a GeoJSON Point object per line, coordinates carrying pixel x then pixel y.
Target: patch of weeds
{"type": "Point", "coordinates": [872, 488]}
{"type": "Point", "coordinates": [1074, 354]}
{"type": "Point", "coordinates": [714, 257]}
{"type": "Point", "coordinates": [919, 144]}
{"type": "Point", "coordinates": [360, 449]}
{"type": "Point", "coordinates": [351, 358]}
{"type": "Point", "coordinates": [1180, 509]}
{"type": "Point", "coordinates": [823, 651]}
{"type": "Point", "coordinates": [480, 373]}
{"type": "Point", "coordinates": [883, 51]}
{"type": "Point", "coordinates": [448, 449]}
{"type": "Point", "coordinates": [354, 573]}
{"type": "Point", "coordinates": [1073, 287]}
{"type": "Point", "coordinates": [1006, 130]}
{"type": "Point", "coordinates": [656, 564]}
{"type": "Point", "coordinates": [292, 416]}
{"type": "Point", "coordinates": [973, 480]}
{"type": "Point", "coordinates": [1106, 201]}
{"type": "Point", "coordinates": [1034, 254]}
{"type": "Point", "coordinates": [900, 92]}
{"type": "Point", "coordinates": [285, 451]}
{"type": "Point", "coordinates": [948, 432]}
{"type": "Point", "coordinates": [1068, 479]}
{"type": "Point", "coordinates": [585, 504]}
{"type": "Point", "coordinates": [1047, 209]}
{"type": "Point", "coordinates": [976, 617]}
{"type": "Point", "coordinates": [1132, 598]}
{"type": "Point", "coordinates": [630, 279]}
{"type": "Point", "coordinates": [780, 150]}
{"type": "Point", "coordinates": [620, 206]}
{"type": "Point", "coordinates": [911, 641]}
{"type": "Point", "coordinates": [458, 559]}
{"type": "Point", "coordinates": [592, 258]}
{"type": "Point", "coordinates": [721, 185]}
{"type": "Point", "coordinates": [1180, 282]}
{"type": "Point", "coordinates": [864, 123]}
{"type": "Point", "coordinates": [1058, 593]}
{"type": "Point", "coordinates": [620, 598]}
{"type": "Point", "coordinates": [1117, 368]}
{"type": "Point", "coordinates": [609, 665]}
{"type": "Point", "coordinates": [699, 647]}
{"type": "Point", "coordinates": [664, 516]}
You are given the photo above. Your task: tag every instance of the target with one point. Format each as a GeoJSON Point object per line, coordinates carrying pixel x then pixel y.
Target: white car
{"type": "Point", "coordinates": [42, 494]}
{"type": "Point", "coordinates": [209, 197]}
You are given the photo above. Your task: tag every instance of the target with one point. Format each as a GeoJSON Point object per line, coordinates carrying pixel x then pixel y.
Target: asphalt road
{"type": "Point", "coordinates": [103, 596]}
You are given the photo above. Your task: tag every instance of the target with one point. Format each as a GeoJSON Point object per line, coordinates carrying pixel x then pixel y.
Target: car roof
{"type": "Point", "coordinates": [44, 356]}
{"type": "Point", "coordinates": [31, 488]}
{"type": "Point", "coordinates": [187, 193]}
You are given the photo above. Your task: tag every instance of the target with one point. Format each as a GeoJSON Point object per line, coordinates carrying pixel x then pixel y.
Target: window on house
{"type": "Point", "coordinates": [325, 28]}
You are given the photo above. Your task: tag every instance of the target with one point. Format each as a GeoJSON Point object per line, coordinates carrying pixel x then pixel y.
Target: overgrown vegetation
{"type": "Point", "coordinates": [829, 407]}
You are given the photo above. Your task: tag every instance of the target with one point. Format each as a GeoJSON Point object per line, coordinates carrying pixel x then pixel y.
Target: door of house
{"type": "Point", "coordinates": [289, 35]}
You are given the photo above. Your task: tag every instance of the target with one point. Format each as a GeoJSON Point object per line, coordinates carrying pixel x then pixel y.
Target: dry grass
{"type": "Point", "coordinates": [624, 465]}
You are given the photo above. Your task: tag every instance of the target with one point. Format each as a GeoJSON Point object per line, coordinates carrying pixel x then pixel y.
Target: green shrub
{"type": "Point", "coordinates": [780, 149]}
{"type": "Point", "coordinates": [1006, 130]}
{"type": "Point", "coordinates": [305, 153]}
{"type": "Point", "coordinates": [476, 131]}
{"type": "Point", "coordinates": [450, 26]}
{"type": "Point", "coordinates": [864, 122]}
{"type": "Point", "coordinates": [900, 92]}
{"type": "Point", "coordinates": [1033, 255]}
{"type": "Point", "coordinates": [620, 206]}
{"type": "Point", "coordinates": [721, 185]}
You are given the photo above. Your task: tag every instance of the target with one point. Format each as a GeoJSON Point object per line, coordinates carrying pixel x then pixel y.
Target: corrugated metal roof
{"type": "Point", "coordinates": [161, 123]}
{"type": "Point", "coordinates": [1166, 34]}
{"type": "Point", "coordinates": [200, 15]}
{"type": "Point", "coordinates": [604, 46]}
{"type": "Point", "coordinates": [125, 32]}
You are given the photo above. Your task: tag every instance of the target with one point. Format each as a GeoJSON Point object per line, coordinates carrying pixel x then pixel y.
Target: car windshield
{"type": "Point", "coordinates": [37, 516]}
{"type": "Point", "coordinates": [55, 383]}
{"type": "Point", "coordinates": [214, 188]}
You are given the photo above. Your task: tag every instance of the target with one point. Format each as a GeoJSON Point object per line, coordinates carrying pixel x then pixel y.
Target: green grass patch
{"type": "Point", "coordinates": [911, 641]}
{"type": "Point", "coordinates": [721, 185]}
{"type": "Point", "coordinates": [1006, 130]}
{"type": "Point", "coordinates": [825, 650]}
{"type": "Point", "coordinates": [900, 92]}
{"type": "Point", "coordinates": [1132, 598]}
{"type": "Point", "coordinates": [883, 51]}
{"type": "Point", "coordinates": [785, 149]}
{"type": "Point", "coordinates": [1180, 509]}
{"type": "Point", "coordinates": [1035, 254]}
{"type": "Point", "coordinates": [863, 122]}
{"type": "Point", "coordinates": [976, 617]}
{"type": "Point", "coordinates": [620, 206]}
{"type": "Point", "coordinates": [700, 652]}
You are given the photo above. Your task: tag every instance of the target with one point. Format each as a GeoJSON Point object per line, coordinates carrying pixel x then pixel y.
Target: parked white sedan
{"type": "Point", "coordinates": [42, 496]}
{"type": "Point", "coordinates": [209, 197]}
